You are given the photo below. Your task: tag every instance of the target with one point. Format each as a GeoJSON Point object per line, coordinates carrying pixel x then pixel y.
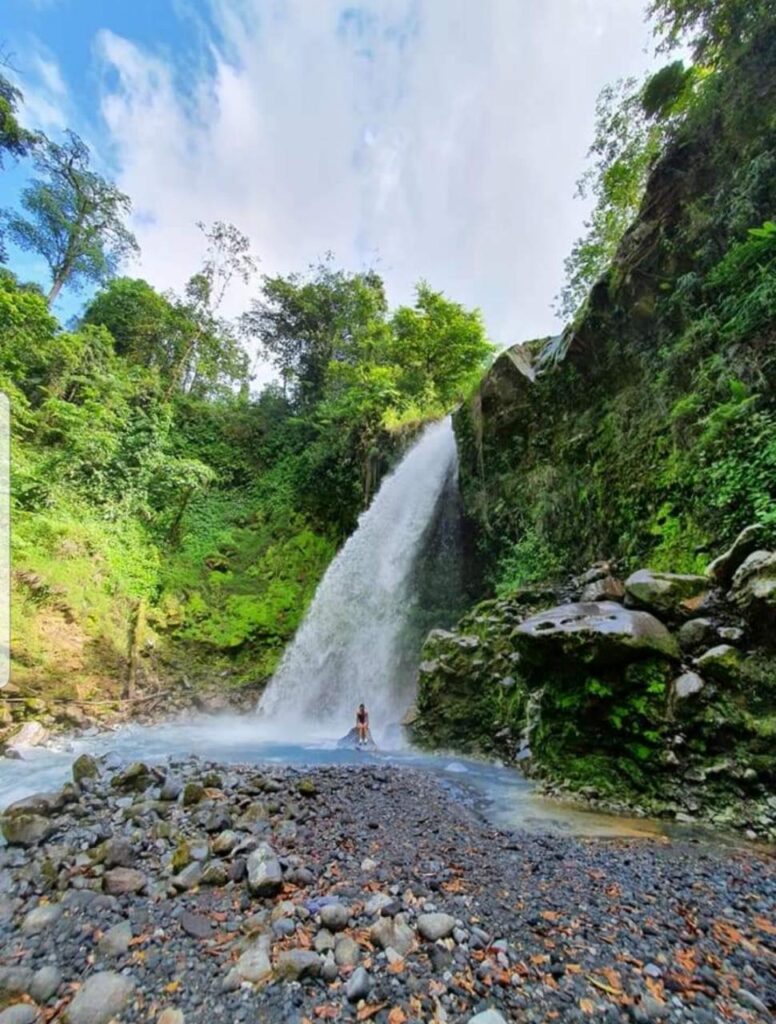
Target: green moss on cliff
{"type": "Point", "coordinates": [648, 431]}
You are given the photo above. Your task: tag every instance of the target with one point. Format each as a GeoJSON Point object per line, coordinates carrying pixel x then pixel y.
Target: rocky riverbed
{"type": "Point", "coordinates": [195, 892]}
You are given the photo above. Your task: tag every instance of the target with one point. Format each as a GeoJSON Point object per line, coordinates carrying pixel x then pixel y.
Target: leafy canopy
{"type": "Point", "coordinates": [75, 217]}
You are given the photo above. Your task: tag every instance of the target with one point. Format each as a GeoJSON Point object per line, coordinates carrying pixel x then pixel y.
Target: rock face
{"type": "Point", "coordinates": [753, 589]}
{"type": "Point", "coordinates": [666, 593]}
{"type": "Point", "coordinates": [31, 734]}
{"type": "Point", "coordinates": [723, 568]}
{"type": "Point", "coordinates": [601, 633]}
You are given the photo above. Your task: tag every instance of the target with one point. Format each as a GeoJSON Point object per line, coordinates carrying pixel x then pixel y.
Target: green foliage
{"type": "Point", "coordinates": [531, 560]}
{"type": "Point", "coordinates": [76, 217]}
{"type": "Point", "coordinates": [626, 143]}
{"type": "Point", "coordinates": [717, 27]}
{"type": "Point", "coordinates": [14, 138]}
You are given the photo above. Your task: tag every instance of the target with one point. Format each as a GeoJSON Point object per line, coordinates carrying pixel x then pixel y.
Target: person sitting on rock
{"type": "Point", "coordinates": [362, 725]}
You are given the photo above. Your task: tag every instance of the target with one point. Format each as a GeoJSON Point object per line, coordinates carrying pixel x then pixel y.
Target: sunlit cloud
{"type": "Point", "coordinates": [439, 139]}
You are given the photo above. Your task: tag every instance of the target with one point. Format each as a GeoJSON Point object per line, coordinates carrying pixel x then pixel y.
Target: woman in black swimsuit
{"type": "Point", "coordinates": [362, 723]}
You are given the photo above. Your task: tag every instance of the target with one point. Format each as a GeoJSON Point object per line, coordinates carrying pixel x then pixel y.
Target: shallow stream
{"type": "Point", "coordinates": [502, 794]}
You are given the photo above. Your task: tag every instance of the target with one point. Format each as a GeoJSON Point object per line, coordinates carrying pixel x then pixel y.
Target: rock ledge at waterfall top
{"type": "Point", "coordinates": [390, 908]}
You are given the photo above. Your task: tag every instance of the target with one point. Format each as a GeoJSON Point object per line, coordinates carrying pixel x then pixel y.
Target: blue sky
{"type": "Point", "coordinates": [436, 139]}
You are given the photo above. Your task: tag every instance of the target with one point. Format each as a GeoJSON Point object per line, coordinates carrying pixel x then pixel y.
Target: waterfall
{"type": "Point", "coordinates": [360, 639]}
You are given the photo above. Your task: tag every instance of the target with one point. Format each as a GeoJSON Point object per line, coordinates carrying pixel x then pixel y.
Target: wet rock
{"type": "Point", "coordinates": [85, 767]}
{"type": "Point", "coordinates": [102, 997]}
{"type": "Point", "coordinates": [45, 983]}
{"type": "Point", "coordinates": [170, 1016]}
{"type": "Point", "coordinates": [25, 829]}
{"type": "Point", "coordinates": [754, 588]}
{"type": "Point", "coordinates": [723, 569]}
{"type": "Point", "coordinates": [22, 1013]}
{"type": "Point", "coordinates": [435, 926]}
{"type": "Point", "coordinates": [598, 633]}
{"type": "Point", "coordinates": [687, 684]}
{"type": "Point", "coordinates": [115, 942]}
{"type": "Point", "coordinates": [307, 787]}
{"type": "Point", "coordinates": [15, 981]}
{"type": "Point", "coordinates": [31, 734]}
{"type": "Point", "coordinates": [225, 842]}
{"type": "Point", "coordinates": [115, 853]}
{"type": "Point", "coordinates": [324, 941]}
{"type": "Point", "coordinates": [335, 917]}
{"type": "Point", "coordinates": [265, 877]}
{"type": "Point", "coordinates": [215, 874]}
{"type": "Point", "coordinates": [41, 919]}
{"type": "Point", "coordinates": [487, 1017]}
{"type": "Point", "coordinates": [193, 793]}
{"type": "Point", "coordinates": [358, 985]}
{"type": "Point", "coordinates": [190, 877]}
{"type": "Point", "coordinates": [119, 881]}
{"type": "Point", "coordinates": [254, 964]}
{"type": "Point", "coordinates": [394, 932]}
{"type": "Point", "coordinates": [722, 663]}
{"type": "Point", "coordinates": [666, 592]}
{"type": "Point", "coordinates": [608, 588]}
{"type": "Point", "coordinates": [136, 778]}
{"type": "Point", "coordinates": [172, 787]}
{"type": "Point", "coordinates": [196, 925]}
{"type": "Point", "coordinates": [347, 952]}
{"type": "Point", "coordinates": [696, 633]}
{"type": "Point", "coordinates": [293, 964]}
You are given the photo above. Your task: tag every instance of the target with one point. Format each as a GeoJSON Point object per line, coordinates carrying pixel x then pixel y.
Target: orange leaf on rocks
{"type": "Point", "coordinates": [397, 1016]}
{"type": "Point", "coordinates": [396, 967]}
{"type": "Point", "coordinates": [369, 1011]}
{"type": "Point", "coordinates": [587, 1006]}
{"type": "Point", "coordinates": [326, 1012]}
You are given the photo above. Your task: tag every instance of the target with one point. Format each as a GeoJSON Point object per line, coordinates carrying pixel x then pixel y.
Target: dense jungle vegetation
{"type": "Point", "coordinates": [169, 520]}
{"type": "Point", "coordinates": [647, 431]}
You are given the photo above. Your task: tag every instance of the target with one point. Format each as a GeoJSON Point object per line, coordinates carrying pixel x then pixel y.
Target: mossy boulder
{"type": "Point", "coordinates": [136, 778]}
{"type": "Point", "coordinates": [595, 633]}
{"type": "Point", "coordinates": [753, 591]}
{"type": "Point", "coordinates": [721, 663]}
{"type": "Point", "coordinates": [666, 593]}
{"type": "Point", "coordinates": [193, 793]}
{"type": "Point", "coordinates": [85, 767]}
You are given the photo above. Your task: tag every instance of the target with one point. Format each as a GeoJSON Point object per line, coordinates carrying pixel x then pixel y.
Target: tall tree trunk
{"type": "Point", "coordinates": [56, 288]}
{"type": "Point", "coordinates": [136, 627]}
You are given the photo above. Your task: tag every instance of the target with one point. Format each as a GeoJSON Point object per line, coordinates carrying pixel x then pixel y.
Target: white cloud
{"type": "Point", "coordinates": [46, 98]}
{"type": "Point", "coordinates": [443, 135]}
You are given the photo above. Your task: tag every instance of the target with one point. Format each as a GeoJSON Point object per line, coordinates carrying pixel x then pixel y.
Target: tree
{"type": "Point", "coordinates": [139, 319]}
{"type": "Point", "coordinates": [440, 348]}
{"type": "Point", "coordinates": [14, 139]}
{"type": "Point", "coordinates": [717, 27]}
{"type": "Point", "coordinates": [304, 322]}
{"type": "Point", "coordinates": [625, 145]}
{"type": "Point", "coordinates": [76, 218]}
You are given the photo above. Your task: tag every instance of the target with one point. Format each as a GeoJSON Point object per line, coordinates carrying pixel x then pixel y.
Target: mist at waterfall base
{"type": "Point", "coordinates": [397, 576]}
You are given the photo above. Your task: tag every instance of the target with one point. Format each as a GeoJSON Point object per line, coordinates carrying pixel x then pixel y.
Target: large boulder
{"type": "Point", "coordinates": [25, 829]}
{"type": "Point", "coordinates": [597, 633]}
{"type": "Point", "coordinates": [31, 734]}
{"type": "Point", "coordinates": [753, 588]}
{"type": "Point", "coordinates": [666, 593]}
{"type": "Point", "coordinates": [722, 663]}
{"type": "Point", "coordinates": [723, 569]}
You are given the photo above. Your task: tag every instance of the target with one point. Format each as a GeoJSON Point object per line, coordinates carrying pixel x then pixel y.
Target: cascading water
{"type": "Point", "coordinates": [360, 638]}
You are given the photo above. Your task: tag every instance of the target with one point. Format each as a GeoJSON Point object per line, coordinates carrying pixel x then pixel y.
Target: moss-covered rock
{"type": "Point", "coordinates": [601, 633]}
{"type": "Point", "coordinates": [667, 593]}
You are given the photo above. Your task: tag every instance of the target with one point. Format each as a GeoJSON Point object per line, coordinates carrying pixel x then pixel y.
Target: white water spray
{"type": "Point", "coordinates": [349, 646]}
